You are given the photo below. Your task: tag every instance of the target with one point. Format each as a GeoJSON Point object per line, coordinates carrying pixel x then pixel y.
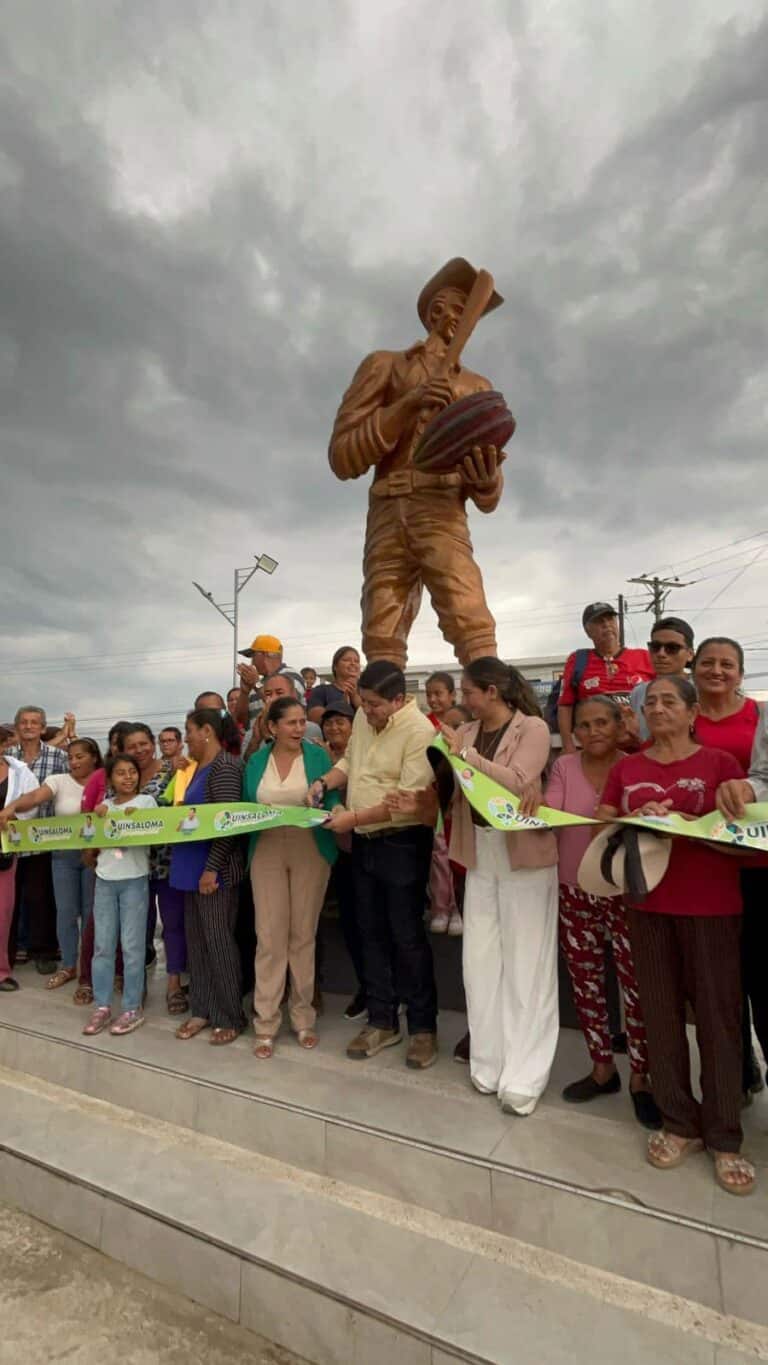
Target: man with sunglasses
{"type": "Point", "coordinates": [671, 651]}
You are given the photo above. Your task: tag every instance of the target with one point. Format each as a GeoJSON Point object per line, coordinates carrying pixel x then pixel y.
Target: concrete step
{"type": "Point", "coordinates": [338, 1274]}
{"type": "Point", "coordinates": [573, 1182]}
{"type": "Point", "coordinates": [64, 1302]}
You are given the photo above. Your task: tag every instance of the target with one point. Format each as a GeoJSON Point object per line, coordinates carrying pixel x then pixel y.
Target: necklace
{"type": "Point", "coordinates": [488, 741]}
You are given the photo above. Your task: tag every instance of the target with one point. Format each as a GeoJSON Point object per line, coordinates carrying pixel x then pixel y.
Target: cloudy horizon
{"type": "Point", "coordinates": [210, 213]}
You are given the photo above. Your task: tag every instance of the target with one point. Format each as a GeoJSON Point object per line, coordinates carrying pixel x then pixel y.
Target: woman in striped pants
{"type": "Point", "coordinates": [209, 873]}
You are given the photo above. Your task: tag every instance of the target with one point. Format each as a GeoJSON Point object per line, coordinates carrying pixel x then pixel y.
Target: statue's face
{"type": "Point", "coordinates": [445, 310]}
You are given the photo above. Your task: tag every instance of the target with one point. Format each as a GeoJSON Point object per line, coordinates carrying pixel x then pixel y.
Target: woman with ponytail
{"type": "Point", "coordinates": [510, 905]}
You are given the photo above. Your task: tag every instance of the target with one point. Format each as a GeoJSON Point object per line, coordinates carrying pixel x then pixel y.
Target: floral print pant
{"type": "Point", "coordinates": [585, 924]}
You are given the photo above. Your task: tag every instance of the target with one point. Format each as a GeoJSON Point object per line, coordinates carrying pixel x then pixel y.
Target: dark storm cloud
{"type": "Point", "coordinates": [168, 379]}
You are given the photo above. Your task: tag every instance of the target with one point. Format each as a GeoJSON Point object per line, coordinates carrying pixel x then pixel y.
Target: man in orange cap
{"type": "Point", "coordinates": [417, 533]}
{"type": "Point", "coordinates": [266, 658]}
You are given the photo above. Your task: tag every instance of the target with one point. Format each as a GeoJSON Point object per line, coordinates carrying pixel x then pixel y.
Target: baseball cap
{"type": "Point", "coordinates": [674, 623]}
{"type": "Point", "coordinates": [596, 609]}
{"type": "Point", "coordinates": [263, 644]}
{"type": "Point", "coordinates": [338, 708]}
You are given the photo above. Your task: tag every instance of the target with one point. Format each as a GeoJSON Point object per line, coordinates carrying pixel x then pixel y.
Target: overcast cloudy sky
{"type": "Point", "coordinates": [209, 212]}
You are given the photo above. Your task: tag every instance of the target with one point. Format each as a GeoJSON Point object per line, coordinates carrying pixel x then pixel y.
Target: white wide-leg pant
{"type": "Point", "coordinates": [510, 971]}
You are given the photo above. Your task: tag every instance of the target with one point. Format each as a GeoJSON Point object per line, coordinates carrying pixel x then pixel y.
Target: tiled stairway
{"type": "Point", "coordinates": [360, 1213]}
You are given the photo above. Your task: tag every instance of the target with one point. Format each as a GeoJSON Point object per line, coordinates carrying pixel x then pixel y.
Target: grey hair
{"type": "Point", "coordinates": [24, 710]}
{"type": "Point", "coordinates": [609, 703]}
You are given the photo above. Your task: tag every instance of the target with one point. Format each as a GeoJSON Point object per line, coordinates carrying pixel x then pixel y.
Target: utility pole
{"type": "Point", "coordinates": [622, 610]}
{"type": "Point", "coordinates": [230, 610]}
{"type": "Point", "coordinates": [659, 588]}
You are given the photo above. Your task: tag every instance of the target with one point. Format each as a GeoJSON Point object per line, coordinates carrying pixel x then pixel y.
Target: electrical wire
{"type": "Point", "coordinates": [761, 550]}
{"type": "Point", "coordinates": [715, 549]}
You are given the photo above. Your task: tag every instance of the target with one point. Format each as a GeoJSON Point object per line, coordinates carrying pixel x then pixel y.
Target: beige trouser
{"type": "Point", "coordinates": [289, 876]}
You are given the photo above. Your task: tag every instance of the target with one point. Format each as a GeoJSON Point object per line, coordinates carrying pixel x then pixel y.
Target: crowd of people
{"type": "Point", "coordinates": [644, 732]}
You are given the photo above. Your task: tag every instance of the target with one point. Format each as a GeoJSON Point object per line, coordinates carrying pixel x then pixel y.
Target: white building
{"type": "Point", "coordinates": [542, 671]}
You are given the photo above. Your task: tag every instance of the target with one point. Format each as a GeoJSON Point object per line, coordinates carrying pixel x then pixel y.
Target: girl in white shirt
{"type": "Point", "coordinates": [120, 907]}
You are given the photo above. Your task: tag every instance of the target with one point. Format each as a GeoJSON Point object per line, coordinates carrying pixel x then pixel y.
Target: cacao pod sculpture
{"type": "Point", "coordinates": [481, 419]}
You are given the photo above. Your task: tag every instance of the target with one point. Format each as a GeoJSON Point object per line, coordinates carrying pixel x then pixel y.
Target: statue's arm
{"type": "Point", "coordinates": [359, 438]}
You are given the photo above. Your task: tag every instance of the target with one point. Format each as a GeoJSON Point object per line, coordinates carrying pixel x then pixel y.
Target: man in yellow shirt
{"type": "Point", "coordinates": [391, 854]}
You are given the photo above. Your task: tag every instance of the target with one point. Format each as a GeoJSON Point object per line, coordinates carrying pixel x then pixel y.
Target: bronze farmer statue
{"type": "Point", "coordinates": [417, 533]}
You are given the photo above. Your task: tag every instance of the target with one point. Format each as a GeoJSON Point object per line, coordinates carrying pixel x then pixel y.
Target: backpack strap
{"type": "Point", "coordinates": [579, 666]}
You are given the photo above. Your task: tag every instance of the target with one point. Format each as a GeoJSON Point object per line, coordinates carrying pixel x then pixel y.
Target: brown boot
{"type": "Point", "coordinates": [422, 1051]}
{"type": "Point", "coordinates": [369, 1041]}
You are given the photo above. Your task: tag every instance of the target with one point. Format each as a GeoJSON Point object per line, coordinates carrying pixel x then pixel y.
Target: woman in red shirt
{"type": "Point", "coordinates": [727, 720]}
{"type": "Point", "coordinates": [686, 940]}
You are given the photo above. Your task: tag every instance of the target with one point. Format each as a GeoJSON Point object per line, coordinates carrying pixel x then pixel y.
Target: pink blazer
{"type": "Point", "coordinates": [520, 758]}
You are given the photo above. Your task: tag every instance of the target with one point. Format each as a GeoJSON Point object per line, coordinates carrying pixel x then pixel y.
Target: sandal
{"type": "Point", "coordinates": [666, 1150]}
{"type": "Point", "coordinates": [177, 1002]}
{"type": "Point", "coordinates": [98, 1021]}
{"type": "Point", "coordinates": [221, 1036]}
{"type": "Point", "coordinates": [307, 1038]}
{"type": "Point", "coordinates": [191, 1027]}
{"type": "Point", "coordinates": [263, 1047]}
{"type": "Point", "coordinates": [729, 1166]}
{"type": "Point", "coordinates": [83, 996]}
{"type": "Point", "coordinates": [60, 978]}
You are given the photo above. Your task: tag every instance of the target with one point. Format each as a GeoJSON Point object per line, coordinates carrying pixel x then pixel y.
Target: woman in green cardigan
{"type": "Point", "coordinates": [289, 873]}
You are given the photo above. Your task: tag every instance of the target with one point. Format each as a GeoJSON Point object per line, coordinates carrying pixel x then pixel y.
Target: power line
{"type": "Point", "coordinates": [761, 550]}
{"type": "Point", "coordinates": [715, 549]}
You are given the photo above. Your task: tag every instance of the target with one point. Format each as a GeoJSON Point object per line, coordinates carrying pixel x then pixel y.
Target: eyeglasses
{"type": "Point", "coordinates": [662, 646]}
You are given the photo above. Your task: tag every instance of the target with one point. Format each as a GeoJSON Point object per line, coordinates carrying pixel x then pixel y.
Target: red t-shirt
{"type": "Point", "coordinates": [612, 677]}
{"type": "Point", "coordinates": [698, 880]}
{"type": "Point", "coordinates": [735, 734]}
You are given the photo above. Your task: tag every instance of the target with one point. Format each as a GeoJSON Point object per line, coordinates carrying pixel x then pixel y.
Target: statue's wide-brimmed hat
{"type": "Point", "coordinates": [455, 274]}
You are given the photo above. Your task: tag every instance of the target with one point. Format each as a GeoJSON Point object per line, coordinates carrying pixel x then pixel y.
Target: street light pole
{"type": "Point", "coordinates": [230, 610]}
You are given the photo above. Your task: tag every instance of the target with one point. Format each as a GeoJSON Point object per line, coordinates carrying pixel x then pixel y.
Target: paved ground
{"type": "Point", "coordinates": [60, 1301]}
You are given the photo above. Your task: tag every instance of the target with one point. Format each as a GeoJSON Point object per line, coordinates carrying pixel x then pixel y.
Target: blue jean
{"type": "Point", "coordinates": [73, 891]}
{"type": "Point", "coordinates": [120, 911]}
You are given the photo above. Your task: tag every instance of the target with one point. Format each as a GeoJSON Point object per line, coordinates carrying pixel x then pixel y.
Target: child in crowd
{"type": "Point", "coordinates": [443, 909]}
{"type": "Point", "coordinates": [120, 907]}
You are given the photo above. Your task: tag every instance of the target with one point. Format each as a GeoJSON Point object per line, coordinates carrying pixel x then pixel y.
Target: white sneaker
{"type": "Point", "coordinates": [519, 1105]}
{"type": "Point", "coordinates": [455, 926]}
{"type": "Point", "coordinates": [439, 924]}
{"type": "Point", "coordinates": [483, 1089]}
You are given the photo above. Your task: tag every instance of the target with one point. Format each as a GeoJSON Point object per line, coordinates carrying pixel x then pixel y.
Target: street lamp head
{"type": "Point", "coordinates": [266, 562]}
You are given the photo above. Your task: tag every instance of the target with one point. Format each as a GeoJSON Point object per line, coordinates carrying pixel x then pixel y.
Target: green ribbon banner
{"type": "Point", "coordinates": [501, 809]}
{"type": "Point", "coordinates": [185, 824]}
{"type": "Point", "coordinates": [158, 825]}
